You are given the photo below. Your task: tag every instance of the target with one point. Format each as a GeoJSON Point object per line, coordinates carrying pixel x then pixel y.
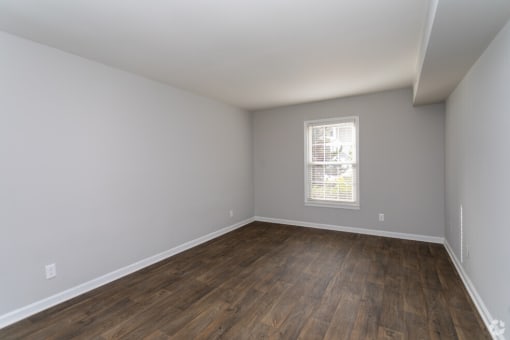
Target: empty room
{"type": "Point", "coordinates": [267, 169]}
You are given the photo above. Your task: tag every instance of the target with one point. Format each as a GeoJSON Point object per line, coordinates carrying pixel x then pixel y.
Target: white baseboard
{"type": "Point", "coordinates": [404, 236]}
{"type": "Point", "coordinates": [38, 306]}
{"type": "Point", "coordinates": [475, 297]}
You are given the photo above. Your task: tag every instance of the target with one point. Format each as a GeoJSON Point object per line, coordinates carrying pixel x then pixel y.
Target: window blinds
{"type": "Point", "coordinates": [331, 167]}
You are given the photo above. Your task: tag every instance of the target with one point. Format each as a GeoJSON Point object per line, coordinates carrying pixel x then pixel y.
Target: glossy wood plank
{"type": "Point", "coordinates": [269, 281]}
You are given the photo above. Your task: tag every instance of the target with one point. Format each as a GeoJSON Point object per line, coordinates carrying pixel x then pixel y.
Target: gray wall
{"type": "Point", "coordinates": [100, 168]}
{"type": "Point", "coordinates": [478, 174]}
{"type": "Point", "coordinates": [401, 163]}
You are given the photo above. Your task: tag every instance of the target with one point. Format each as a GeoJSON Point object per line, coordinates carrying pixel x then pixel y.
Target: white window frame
{"type": "Point", "coordinates": [307, 139]}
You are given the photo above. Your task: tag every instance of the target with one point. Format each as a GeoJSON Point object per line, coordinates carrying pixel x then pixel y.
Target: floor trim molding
{"type": "Point", "coordinates": [38, 306]}
{"type": "Point", "coordinates": [404, 236]}
{"type": "Point", "coordinates": [473, 293]}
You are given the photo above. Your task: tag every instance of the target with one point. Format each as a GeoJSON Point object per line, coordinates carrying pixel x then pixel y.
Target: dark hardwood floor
{"type": "Point", "coordinates": [280, 282]}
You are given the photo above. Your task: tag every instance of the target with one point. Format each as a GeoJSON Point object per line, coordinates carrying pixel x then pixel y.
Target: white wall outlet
{"type": "Point", "coordinates": [381, 217]}
{"type": "Point", "coordinates": [51, 271]}
{"type": "Point", "coordinates": [231, 213]}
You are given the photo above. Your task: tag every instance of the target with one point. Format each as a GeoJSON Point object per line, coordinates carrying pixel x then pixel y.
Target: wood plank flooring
{"type": "Point", "coordinates": [270, 281]}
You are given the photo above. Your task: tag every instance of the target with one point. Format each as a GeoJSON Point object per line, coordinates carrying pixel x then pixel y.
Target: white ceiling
{"type": "Point", "coordinates": [253, 54]}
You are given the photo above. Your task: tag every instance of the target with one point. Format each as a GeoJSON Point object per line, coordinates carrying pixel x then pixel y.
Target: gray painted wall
{"type": "Point", "coordinates": [478, 174]}
{"type": "Point", "coordinates": [401, 163]}
{"type": "Point", "coordinates": [100, 168]}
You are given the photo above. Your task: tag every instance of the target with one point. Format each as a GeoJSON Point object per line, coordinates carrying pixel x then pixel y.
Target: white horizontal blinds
{"type": "Point", "coordinates": [332, 161]}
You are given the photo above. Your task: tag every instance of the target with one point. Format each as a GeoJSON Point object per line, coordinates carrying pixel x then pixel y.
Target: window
{"type": "Point", "coordinates": [331, 163]}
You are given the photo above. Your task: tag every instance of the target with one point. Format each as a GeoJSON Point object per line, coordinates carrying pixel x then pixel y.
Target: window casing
{"type": "Point", "coordinates": [332, 162]}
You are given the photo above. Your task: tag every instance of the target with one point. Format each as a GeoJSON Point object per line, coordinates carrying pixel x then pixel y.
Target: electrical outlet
{"type": "Point", "coordinates": [231, 213]}
{"type": "Point", "coordinates": [51, 271]}
{"type": "Point", "coordinates": [381, 217]}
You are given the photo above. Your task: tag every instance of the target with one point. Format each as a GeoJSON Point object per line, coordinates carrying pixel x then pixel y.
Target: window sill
{"type": "Point", "coordinates": [326, 204]}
